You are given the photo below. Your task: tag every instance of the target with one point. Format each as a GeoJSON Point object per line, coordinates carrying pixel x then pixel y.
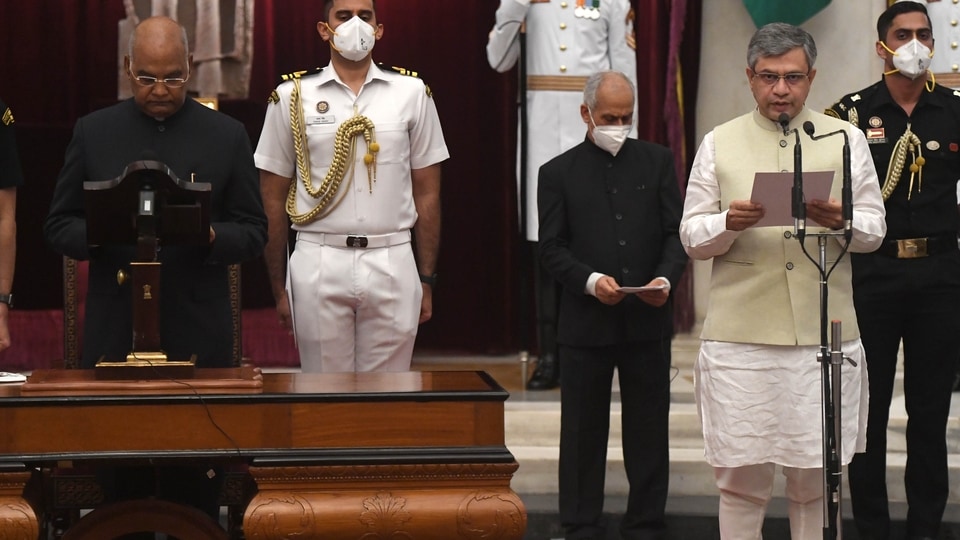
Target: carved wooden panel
{"type": "Point", "coordinates": [18, 521]}
{"type": "Point", "coordinates": [444, 501]}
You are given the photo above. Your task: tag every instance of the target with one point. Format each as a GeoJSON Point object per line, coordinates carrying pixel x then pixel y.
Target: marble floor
{"type": "Point", "coordinates": [532, 429]}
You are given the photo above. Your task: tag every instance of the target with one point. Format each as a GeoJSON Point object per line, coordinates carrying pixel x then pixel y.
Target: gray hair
{"type": "Point", "coordinates": [593, 84]}
{"type": "Point", "coordinates": [776, 39]}
{"type": "Point", "coordinates": [183, 40]}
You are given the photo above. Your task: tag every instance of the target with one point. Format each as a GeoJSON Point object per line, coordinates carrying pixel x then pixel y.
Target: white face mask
{"type": "Point", "coordinates": [609, 138]}
{"type": "Point", "coordinates": [354, 39]}
{"type": "Point", "coordinates": [911, 59]}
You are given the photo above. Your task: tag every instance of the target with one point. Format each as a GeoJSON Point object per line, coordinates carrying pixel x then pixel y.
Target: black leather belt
{"type": "Point", "coordinates": [914, 248]}
{"type": "Point", "coordinates": [355, 240]}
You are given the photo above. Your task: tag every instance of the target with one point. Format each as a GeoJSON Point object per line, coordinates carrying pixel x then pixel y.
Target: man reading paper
{"type": "Point", "coordinates": [757, 378]}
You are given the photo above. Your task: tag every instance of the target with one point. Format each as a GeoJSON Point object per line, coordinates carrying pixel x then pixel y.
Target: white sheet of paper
{"type": "Point", "coordinates": [630, 290]}
{"type": "Point", "coordinates": [6, 377]}
{"type": "Point", "coordinates": [774, 191]}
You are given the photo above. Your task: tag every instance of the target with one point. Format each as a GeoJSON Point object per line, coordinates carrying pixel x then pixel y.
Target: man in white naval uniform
{"type": "Point", "coordinates": [363, 145]}
{"type": "Point", "coordinates": [566, 41]}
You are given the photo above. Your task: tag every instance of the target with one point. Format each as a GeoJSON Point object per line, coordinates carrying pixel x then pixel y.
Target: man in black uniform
{"type": "Point", "coordinates": [610, 217]}
{"type": "Point", "coordinates": [160, 124]}
{"type": "Point", "coordinates": [11, 176]}
{"type": "Point", "coordinates": [909, 289]}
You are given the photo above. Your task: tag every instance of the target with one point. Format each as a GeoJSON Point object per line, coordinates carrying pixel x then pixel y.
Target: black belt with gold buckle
{"type": "Point", "coordinates": [915, 248]}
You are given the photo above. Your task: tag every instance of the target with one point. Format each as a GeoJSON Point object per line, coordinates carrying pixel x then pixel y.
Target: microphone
{"type": "Point", "coordinates": [784, 121]}
{"type": "Point", "coordinates": [799, 210]}
{"type": "Point", "coordinates": [846, 190]}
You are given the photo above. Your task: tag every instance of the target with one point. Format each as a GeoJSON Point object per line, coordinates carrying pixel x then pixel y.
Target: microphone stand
{"type": "Point", "coordinates": [831, 356]}
{"type": "Point", "coordinates": [798, 209]}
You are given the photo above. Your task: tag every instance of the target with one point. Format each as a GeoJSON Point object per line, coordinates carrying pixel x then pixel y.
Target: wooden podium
{"type": "Point", "coordinates": [146, 206]}
{"type": "Point", "coordinates": [417, 455]}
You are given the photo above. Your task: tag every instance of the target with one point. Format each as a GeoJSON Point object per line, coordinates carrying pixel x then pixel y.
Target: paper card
{"type": "Point", "coordinates": [774, 190]}
{"type": "Point", "coordinates": [630, 290]}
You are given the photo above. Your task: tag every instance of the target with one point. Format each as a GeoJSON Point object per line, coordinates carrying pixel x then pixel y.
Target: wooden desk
{"type": "Point", "coordinates": [376, 455]}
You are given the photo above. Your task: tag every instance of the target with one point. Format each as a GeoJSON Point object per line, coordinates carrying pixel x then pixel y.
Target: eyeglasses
{"type": "Point", "coordinates": [771, 79]}
{"type": "Point", "coordinates": [169, 82]}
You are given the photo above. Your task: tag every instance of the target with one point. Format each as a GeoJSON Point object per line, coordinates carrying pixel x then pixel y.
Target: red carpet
{"type": "Point", "coordinates": [37, 337]}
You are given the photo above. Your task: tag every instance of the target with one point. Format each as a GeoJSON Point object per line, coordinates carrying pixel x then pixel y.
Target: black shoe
{"type": "Point", "coordinates": [547, 374]}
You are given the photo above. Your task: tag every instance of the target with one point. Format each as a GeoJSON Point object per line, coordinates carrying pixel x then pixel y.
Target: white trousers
{"type": "Point", "coordinates": [746, 491]}
{"type": "Point", "coordinates": [354, 309]}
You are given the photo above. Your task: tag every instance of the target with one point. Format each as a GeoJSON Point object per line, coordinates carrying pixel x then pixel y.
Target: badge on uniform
{"type": "Point", "coordinates": [584, 12]}
{"type": "Point", "coordinates": [322, 119]}
{"type": "Point", "coordinates": [876, 135]}
{"type": "Point", "coordinates": [323, 107]}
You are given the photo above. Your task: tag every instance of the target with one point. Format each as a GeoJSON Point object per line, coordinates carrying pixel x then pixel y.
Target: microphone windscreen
{"type": "Point", "coordinates": [808, 128]}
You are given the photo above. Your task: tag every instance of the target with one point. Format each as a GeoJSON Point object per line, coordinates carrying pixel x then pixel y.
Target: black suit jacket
{"type": "Point", "coordinates": [195, 315]}
{"type": "Point", "coordinates": [619, 216]}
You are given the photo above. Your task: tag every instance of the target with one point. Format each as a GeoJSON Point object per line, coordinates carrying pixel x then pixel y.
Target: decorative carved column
{"type": "Point", "coordinates": [445, 501]}
{"type": "Point", "coordinates": [18, 521]}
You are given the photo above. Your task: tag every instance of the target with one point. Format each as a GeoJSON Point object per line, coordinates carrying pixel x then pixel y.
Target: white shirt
{"type": "Point", "coordinates": [406, 127]}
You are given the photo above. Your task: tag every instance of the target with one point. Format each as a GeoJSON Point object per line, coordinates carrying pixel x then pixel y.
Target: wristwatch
{"type": "Point", "coordinates": [430, 280]}
{"type": "Point", "coordinates": [7, 299]}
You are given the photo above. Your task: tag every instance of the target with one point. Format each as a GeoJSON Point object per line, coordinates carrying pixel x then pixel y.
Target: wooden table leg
{"type": "Point", "coordinates": [18, 520]}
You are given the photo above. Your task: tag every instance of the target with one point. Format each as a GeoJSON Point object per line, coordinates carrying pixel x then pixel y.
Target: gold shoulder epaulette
{"type": "Point", "coordinates": [274, 97]}
{"type": "Point", "coordinates": [402, 71]}
{"type": "Point", "coordinates": [409, 73]}
{"type": "Point", "coordinates": [299, 74]}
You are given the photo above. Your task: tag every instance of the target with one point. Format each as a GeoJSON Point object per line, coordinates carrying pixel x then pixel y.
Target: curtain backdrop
{"type": "Point", "coordinates": [59, 59]}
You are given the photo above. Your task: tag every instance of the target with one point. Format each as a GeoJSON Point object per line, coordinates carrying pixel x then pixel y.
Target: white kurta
{"type": "Point", "coordinates": [762, 403]}
{"type": "Point", "coordinates": [559, 44]}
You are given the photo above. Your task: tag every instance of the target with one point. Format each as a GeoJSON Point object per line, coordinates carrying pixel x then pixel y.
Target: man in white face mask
{"type": "Point", "coordinates": [943, 18]}
{"type": "Point", "coordinates": [341, 160]}
{"type": "Point", "coordinates": [757, 379]}
{"type": "Point", "coordinates": [609, 216]}
{"type": "Point", "coordinates": [908, 291]}
{"type": "Point", "coordinates": [557, 46]}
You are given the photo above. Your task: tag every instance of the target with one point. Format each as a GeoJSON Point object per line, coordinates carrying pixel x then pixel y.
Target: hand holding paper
{"type": "Point", "coordinates": [631, 290]}
{"type": "Point", "coordinates": [743, 214]}
{"type": "Point", "coordinates": [654, 293]}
